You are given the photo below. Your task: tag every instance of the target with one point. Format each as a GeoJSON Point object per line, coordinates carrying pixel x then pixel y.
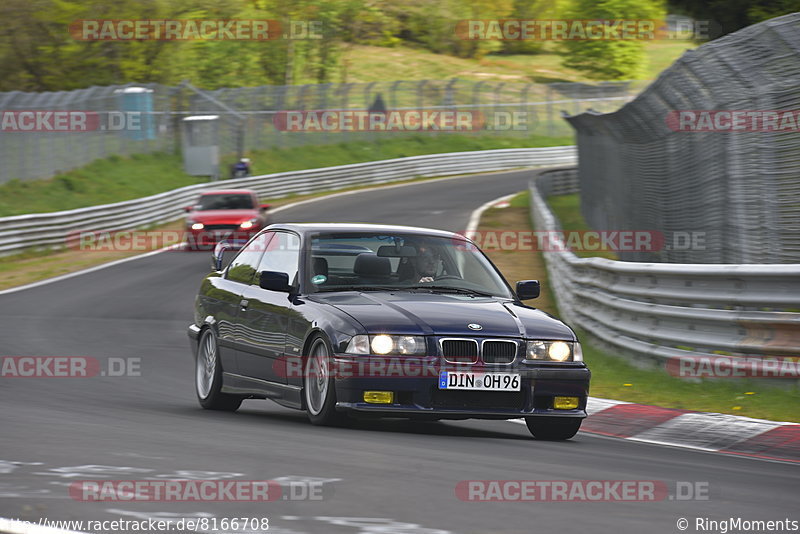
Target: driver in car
{"type": "Point", "coordinates": [426, 263]}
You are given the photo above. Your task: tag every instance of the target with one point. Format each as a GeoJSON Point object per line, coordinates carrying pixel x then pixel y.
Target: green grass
{"type": "Point", "coordinates": [662, 54]}
{"type": "Point", "coordinates": [522, 200]}
{"type": "Point", "coordinates": [115, 179]}
{"type": "Point", "coordinates": [373, 63]}
{"type": "Point", "coordinates": [102, 181]}
{"type": "Point", "coordinates": [567, 209]}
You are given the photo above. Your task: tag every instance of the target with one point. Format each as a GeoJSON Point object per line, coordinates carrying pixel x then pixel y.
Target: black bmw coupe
{"type": "Point", "coordinates": [344, 320]}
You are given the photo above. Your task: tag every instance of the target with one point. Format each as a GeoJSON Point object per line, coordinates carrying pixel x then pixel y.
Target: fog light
{"type": "Point", "coordinates": [565, 403]}
{"type": "Point", "coordinates": [379, 397]}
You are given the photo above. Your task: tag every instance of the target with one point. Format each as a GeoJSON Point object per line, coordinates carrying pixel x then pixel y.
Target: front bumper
{"type": "Point", "coordinates": [194, 338]}
{"type": "Point", "coordinates": [421, 397]}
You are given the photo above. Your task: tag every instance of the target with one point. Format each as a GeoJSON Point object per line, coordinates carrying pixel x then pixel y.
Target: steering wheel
{"type": "Point", "coordinates": [447, 277]}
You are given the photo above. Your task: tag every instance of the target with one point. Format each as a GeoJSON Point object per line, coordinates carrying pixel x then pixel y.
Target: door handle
{"type": "Point", "coordinates": [244, 304]}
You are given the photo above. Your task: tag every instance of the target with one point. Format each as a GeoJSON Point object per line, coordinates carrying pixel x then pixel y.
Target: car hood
{"type": "Point", "coordinates": [222, 216]}
{"type": "Point", "coordinates": [446, 315]}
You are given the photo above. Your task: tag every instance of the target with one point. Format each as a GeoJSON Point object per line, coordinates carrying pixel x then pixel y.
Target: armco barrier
{"type": "Point", "coordinates": [660, 311]}
{"type": "Point", "coordinates": [51, 229]}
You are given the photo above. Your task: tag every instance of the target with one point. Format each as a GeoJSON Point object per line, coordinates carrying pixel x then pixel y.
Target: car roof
{"type": "Point", "coordinates": [309, 228]}
{"type": "Point", "coordinates": [228, 192]}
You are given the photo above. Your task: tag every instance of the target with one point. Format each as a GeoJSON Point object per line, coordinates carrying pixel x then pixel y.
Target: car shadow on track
{"type": "Point", "coordinates": [404, 426]}
{"type": "Point", "coordinates": [256, 413]}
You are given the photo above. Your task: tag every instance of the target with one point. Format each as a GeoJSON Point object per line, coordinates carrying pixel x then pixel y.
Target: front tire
{"type": "Point", "coordinates": [318, 385]}
{"type": "Point", "coordinates": [208, 376]}
{"type": "Point", "coordinates": [553, 428]}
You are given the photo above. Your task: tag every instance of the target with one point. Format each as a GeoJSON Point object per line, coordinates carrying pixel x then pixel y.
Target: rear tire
{"type": "Point", "coordinates": [208, 376]}
{"type": "Point", "coordinates": [553, 428]}
{"type": "Point", "coordinates": [319, 390]}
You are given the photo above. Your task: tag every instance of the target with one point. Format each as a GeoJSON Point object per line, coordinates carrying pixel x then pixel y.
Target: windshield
{"type": "Point", "coordinates": [225, 202]}
{"type": "Point", "coordinates": [372, 261]}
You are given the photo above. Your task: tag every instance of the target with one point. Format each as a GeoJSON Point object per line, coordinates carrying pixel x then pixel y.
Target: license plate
{"type": "Point", "coordinates": [479, 381]}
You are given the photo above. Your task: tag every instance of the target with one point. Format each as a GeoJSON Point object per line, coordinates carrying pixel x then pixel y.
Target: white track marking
{"type": "Point", "coordinates": [705, 431]}
{"type": "Point", "coordinates": [475, 217]}
{"type": "Point", "coordinates": [84, 271]}
{"type": "Point", "coordinates": [595, 405]}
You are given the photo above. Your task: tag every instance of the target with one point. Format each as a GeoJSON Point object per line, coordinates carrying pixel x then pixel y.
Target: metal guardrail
{"type": "Point", "coordinates": [53, 229]}
{"type": "Point", "coordinates": [659, 311]}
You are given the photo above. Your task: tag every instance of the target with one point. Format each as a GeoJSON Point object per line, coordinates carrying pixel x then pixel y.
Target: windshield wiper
{"type": "Point", "coordinates": [361, 288]}
{"type": "Point", "coordinates": [459, 290]}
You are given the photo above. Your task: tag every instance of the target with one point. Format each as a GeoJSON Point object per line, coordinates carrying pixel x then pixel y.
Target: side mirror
{"type": "Point", "coordinates": [265, 207]}
{"type": "Point", "coordinates": [187, 209]}
{"type": "Point", "coordinates": [219, 252]}
{"type": "Point", "coordinates": [528, 289]}
{"type": "Point", "coordinates": [274, 281]}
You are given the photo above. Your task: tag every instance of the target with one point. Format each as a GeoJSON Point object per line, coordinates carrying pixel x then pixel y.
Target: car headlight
{"type": "Point", "coordinates": [197, 225]}
{"type": "Point", "coordinates": [410, 345]}
{"type": "Point", "coordinates": [385, 344]}
{"type": "Point", "coordinates": [555, 351]}
{"type": "Point", "coordinates": [382, 344]}
{"type": "Point", "coordinates": [248, 224]}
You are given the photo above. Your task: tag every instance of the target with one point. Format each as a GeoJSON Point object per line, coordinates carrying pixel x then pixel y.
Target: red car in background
{"type": "Point", "coordinates": [232, 214]}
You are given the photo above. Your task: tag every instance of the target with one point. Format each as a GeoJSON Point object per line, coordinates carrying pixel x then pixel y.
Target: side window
{"type": "Point", "coordinates": [282, 255]}
{"type": "Point", "coordinates": [243, 267]}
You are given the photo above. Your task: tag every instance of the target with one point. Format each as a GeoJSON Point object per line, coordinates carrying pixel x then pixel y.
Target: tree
{"type": "Point", "coordinates": [607, 59]}
{"type": "Point", "coordinates": [532, 10]}
{"type": "Point", "coordinates": [726, 16]}
{"type": "Point", "coordinates": [38, 53]}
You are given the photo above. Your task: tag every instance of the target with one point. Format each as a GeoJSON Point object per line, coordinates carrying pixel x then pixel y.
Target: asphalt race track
{"type": "Point", "coordinates": [382, 477]}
